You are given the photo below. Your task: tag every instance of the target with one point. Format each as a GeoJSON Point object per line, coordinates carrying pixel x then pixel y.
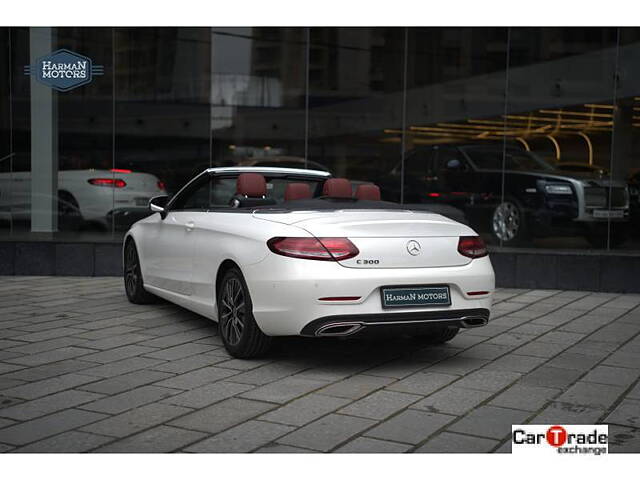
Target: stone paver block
{"type": "Point", "coordinates": [627, 413]}
{"type": "Point", "coordinates": [516, 363]}
{"type": "Point", "coordinates": [380, 405]}
{"type": "Point", "coordinates": [120, 367]}
{"type": "Point", "coordinates": [422, 383]}
{"type": "Point", "coordinates": [208, 394]}
{"type": "Point", "coordinates": [410, 426]}
{"type": "Point", "coordinates": [163, 438]}
{"type": "Point", "coordinates": [222, 415]}
{"type": "Point", "coordinates": [305, 409]}
{"type": "Point", "coordinates": [447, 442]}
{"type": "Point", "coordinates": [356, 387]}
{"type": "Point", "coordinates": [196, 378]}
{"type": "Point", "coordinates": [128, 400]}
{"type": "Point", "coordinates": [487, 380]}
{"type": "Point", "coordinates": [39, 428]}
{"type": "Point", "coordinates": [489, 421]}
{"type": "Point", "coordinates": [327, 432]}
{"type": "Point", "coordinates": [125, 382]}
{"type": "Point", "coordinates": [268, 373]}
{"type": "Point", "coordinates": [135, 420]}
{"type": "Point", "coordinates": [453, 400]}
{"type": "Point", "coordinates": [284, 390]}
{"type": "Point", "coordinates": [551, 377]}
{"type": "Point", "coordinates": [624, 439]}
{"type": "Point", "coordinates": [562, 412]}
{"type": "Point", "coordinates": [49, 404]}
{"type": "Point", "coordinates": [592, 395]}
{"type": "Point", "coordinates": [42, 388]}
{"type": "Point", "coordinates": [525, 397]}
{"type": "Point", "coordinates": [368, 445]}
{"type": "Point", "coordinates": [68, 442]}
{"type": "Point", "coordinates": [180, 351]}
{"type": "Point", "coordinates": [193, 362]}
{"type": "Point", "coordinates": [242, 438]}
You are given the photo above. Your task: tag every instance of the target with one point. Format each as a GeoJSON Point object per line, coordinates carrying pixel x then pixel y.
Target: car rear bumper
{"type": "Point", "coordinates": [347, 325]}
{"type": "Point", "coordinates": [286, 293]}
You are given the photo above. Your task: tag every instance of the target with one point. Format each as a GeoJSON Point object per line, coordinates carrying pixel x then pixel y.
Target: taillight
{"type": "Point", "coordinates": [325, 248]}
{"type": "Point", "coordinates": [108, 182]}
{"type": "Point", "coordinates": [472, 247]}
{"type": "Point", "coordinates": [121, 170]}
{"type": "Point", "coordinates": [161, 185]}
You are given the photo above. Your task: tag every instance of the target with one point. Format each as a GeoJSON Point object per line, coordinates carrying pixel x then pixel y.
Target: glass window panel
{"type": "Point", "coordinates": [563, 117]}
{"type": "Point", "coordinates": [625, 159]}
{"type": "Point", "coordinates": [455, 101]}
{"type": "Point", "coordinates": [355, 99]}
{"type": "Point", "coordinates": [258, 96]}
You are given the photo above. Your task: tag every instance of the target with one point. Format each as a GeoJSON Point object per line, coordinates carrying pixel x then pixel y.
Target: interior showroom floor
{"type": "Point", "coordinates": [81, 369]}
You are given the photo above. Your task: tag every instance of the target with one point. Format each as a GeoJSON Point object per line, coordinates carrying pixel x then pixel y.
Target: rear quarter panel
{"type": "Point", "coordinates": [235, 236]}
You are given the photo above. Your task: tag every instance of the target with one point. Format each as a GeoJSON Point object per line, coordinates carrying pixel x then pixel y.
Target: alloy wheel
{"type": "Point", "coordinates": [232, 311]}
{"type": "Point", "coordinates": [131, 269]}
{"type": "Point", "coordinates": [506, 221]}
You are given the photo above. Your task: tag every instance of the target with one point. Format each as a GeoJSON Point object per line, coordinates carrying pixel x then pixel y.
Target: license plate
{"type": "Point", "coordinates": [415, 296]}
{"type": "Point", "coordinates": [142, 201]}
{"type": "Point", "coordinates": [608, 213]}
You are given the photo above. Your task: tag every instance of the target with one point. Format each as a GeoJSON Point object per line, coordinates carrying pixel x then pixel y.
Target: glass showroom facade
{"type": "Point", "coordinates": [530, 135]}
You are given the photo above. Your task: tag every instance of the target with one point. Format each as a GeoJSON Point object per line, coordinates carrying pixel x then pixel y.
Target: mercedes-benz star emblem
{"type": "Point", "coordinates": [413, 247]}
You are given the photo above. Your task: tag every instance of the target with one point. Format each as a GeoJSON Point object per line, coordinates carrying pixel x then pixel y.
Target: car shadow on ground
{"type": "Point", "coordinates": [360, 350]}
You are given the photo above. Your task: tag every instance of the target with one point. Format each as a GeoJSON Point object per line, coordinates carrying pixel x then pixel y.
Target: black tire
{"type": "Point", "coordinates": [69, 216]}
{"type": "Point", "coordinates": [133, 284]}
{"type": "Point", "coordinates": [440, 335]}
{"type": "Point", "coordinates": [238, 329]}
{"type": "Point", "coordinates": [508, 223]}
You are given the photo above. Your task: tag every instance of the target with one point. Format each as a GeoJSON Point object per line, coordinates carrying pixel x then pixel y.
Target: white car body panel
{"type": "Point", "coordinates": [181, 256]}
{"type": "Point", "coordinates": [95, 202]}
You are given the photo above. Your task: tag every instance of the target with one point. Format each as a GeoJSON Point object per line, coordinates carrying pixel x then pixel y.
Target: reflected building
{"type": "Point", "coordinates": [358, 101]}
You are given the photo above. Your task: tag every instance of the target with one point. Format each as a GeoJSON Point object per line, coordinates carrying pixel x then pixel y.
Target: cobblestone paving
{"type": "Point", "coordinates": [81, 370]}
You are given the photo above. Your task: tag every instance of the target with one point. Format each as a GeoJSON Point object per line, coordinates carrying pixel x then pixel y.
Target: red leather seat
{"type": "Point", "coordinates": [251, 185]}
{"type": "Point", "coordinates": [251, 191]}
{"type": "Point", "coordinates": [368, 191]}
{"type": "Point", "coordinates": [297, 191]}
{"type": "Point", "coordinates": [337, 188]}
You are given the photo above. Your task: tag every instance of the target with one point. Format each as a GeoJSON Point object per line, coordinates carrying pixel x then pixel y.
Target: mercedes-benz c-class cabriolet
{"type": "Point", "coordinates": [268, 252]}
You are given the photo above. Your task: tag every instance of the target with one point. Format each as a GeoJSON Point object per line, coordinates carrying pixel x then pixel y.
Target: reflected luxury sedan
{"type": "Point", "coordinates": [514, 194]}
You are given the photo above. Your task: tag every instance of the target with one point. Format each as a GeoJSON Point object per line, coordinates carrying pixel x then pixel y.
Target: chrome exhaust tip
{"type": "Point", "coordinates": [474, 322]}
{"type": "Point", "coordinates": [338, 329]}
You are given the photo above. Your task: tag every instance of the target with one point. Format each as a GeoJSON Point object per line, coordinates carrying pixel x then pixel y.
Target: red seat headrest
{"type": "Point", "coordinates": [251, 185]}
{"type": "Point", "coordinates": [368, 191]}
{"type": "Point", "coordinates": [297, 191]}
{"type": "Point", "coordinates": [337, 187]}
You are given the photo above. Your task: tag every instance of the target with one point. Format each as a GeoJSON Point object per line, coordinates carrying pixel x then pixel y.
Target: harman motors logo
{"type": "Point", "coordinates": [572, 439]}
{"type": "Point", "coordinates": [64, 70]}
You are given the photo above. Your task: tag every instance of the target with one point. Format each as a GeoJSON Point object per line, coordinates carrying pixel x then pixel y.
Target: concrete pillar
{"type": "Point", "coordinates": [44, 140]}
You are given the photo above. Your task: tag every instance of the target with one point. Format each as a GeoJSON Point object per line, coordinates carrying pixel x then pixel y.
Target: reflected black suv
{"type": "Point", "coordinates": [538, 200]}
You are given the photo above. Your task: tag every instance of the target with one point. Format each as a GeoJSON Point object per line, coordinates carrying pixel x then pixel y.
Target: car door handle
{"type": "Point", "coordinates": [189, 226]}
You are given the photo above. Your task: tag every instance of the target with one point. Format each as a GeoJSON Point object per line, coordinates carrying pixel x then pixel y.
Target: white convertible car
{"type": "Point", "coordinates": [271, 251]}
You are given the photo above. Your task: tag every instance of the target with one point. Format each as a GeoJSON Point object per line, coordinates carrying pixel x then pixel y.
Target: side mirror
{"type": "Point", "coordinates": [159, 204]}
{"type": "Point", "coordinates": [454, 164]}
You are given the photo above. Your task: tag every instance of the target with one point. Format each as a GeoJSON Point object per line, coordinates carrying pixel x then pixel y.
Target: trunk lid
{"type": "Point", "coordinates": [385, 239]}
